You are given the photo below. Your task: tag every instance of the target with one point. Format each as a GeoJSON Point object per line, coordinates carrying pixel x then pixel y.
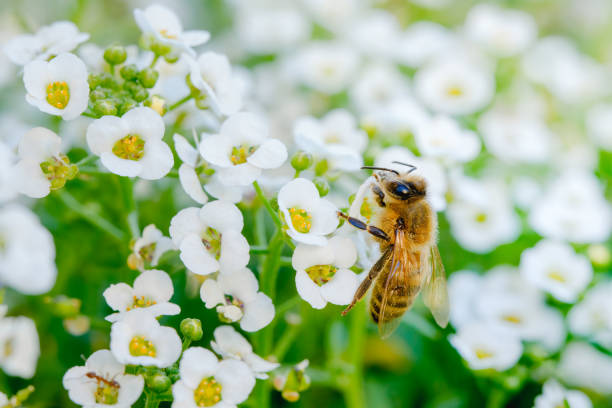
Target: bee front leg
{"type": "Point", "coordinates": [377, 232]}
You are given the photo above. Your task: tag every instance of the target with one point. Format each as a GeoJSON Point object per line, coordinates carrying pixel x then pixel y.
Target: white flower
{"type": "Point", "coordinates": [483, 348]}
{"type": "Point", "coordinates": [150, 247]}
{"type": "Point", "coordinates": [19, 340]}
{"type": "Point", "coordinates": [236, 298]}
{"type": "Point", "coordinates": [555, 268]}
{"type": "Point", "coordinates": [41, 167]}
{"type": "Point", "coordinates": [599, 125]}
{"type": "Point", "coordinates": [323, 274]}
{"type": "Point", "coordinates": [591, 318]}
{"type": "Point", "coordinates": [574, 209]}
{"type": "Point", "coordinates": [334, 15]}
{"type": "Point", "coordinates": [502, 32]}
{"type": "Point", "coordinates": [582, 365]}
{"type": "Point", "coordinates": [554, 395]}
{"type": "Point", "coordinates": [8, 185]}
{"type": "Point", "coordinates": [308, 216]}
{"type": "Point", "coordinates": [209, 238]}
{"type": "Point", "coordinates": [377, 86]}
{"type": "Point", "coordinates": [208, 382]}
{"type": "Point", "coordinates": [3, 399]}
{"type": "Point", "coordinates": [212, 74]}
{"type": "Point", "coordinates": [27, 252]}
{"type": "Point", "coordinates": [139, 339]}
{"type": "Point", "coordinates": [376, 34]}
{"type": "Point", "coordinates": [132, 145]}
{"type": "Point", "coordinates": [57, 87]}
{"type": "Point", "coordinates": [229, 343]}
{"type": "Point", "coordinates": [242, 149]}
{"type": "Point", "coordinates": [167, 29]}
{"type": "Point", "coordinates": [442, 137]}
{"type": "Point", "coordinates": [48, 42]}
{"type": "Point", "coordinates": [423, 41]}
{"type": "Point", "coordinates": [102, 382]}
{"type": "Point", "coordinates": [455, 85]}
{"type": "Point", "coordinates": [334, 137]}
{"type": "Point", "coordinates": [151, 292]}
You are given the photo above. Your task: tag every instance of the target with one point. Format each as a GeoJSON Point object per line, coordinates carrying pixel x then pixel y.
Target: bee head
{"type": "Point", "coordinates": [404, 186]}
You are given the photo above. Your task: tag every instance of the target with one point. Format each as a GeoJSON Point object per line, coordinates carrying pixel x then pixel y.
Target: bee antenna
{"type": "Point", "coordinates": [412, 167]}
{"type": "Point", "coordinates": [379, 168]}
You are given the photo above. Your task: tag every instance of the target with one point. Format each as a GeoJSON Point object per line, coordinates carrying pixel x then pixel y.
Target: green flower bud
{"type": "Point", "coordinates": [129, 72]}
{"type": "Point", "coordinates": [148, 77]}
{"type": "Point", "coordinates": [160, 49]}
{"type": "Point", "coordinates": [24, 394]}
{"type": "Point", "coordinates": [321, 167]}
{"type": "Point", "coordinates": [159, 382]}
{"type": "Point", "coordinates": [64, 306]}
{"type": "Point", "coordinates": [127, 105]}
{"type": "Point", "coordinates": [115, 54]}
{"type": "Point", "coordinates": [172, 57]}
{"type": "Point", "coordinates": [201, 102]}
{"type": "Point", "coordinates": [140, 94]}
{"type": "Point", "coordinates": [94, 80]}
{"type": "Point", "coordinates": [97, 94]}
{"type": "Point", "coordinates": [301, 161]}
{"type": "Point", "coordinates": [108, 81]}
{"type": "Point", "coordinates": [104, 107]}
{"type": "Point", "coordinates": [322, 186]}
{"type": "Point", "coordinates": [158, 104]}
{"type": "Point", "coordinates": [192, 329]}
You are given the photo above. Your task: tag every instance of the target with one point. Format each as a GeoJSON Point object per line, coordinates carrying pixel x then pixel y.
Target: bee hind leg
{"type": "Point", "coordinates": [377, 232]}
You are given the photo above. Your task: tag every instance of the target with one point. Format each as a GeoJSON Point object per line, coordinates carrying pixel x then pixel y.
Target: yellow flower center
{"type": "Point", "coordinates": [58, 171]}
{"type": "Point", "coordinates": [147, 252]}
{"type": "Point", "coordinates": [211, 238]}
{"type": "Point", "coordinates": [321, 274]}
{"type": "Point", "coordinates": [512, 319]}
{"type": "Point", "coordinates": [557, 276]}
{"type": "Point", "coordinates": [131, 147]}
{"type": "Point", "coordinates": [208, 392]}
{"type": "Point", "coordinates": [332, 138]}
{"type": "Point", "coordinates": [8, 348]}
{"type": "Point", "coordinates": [240, 153]}
{"type": "Point", "coordinates": [141, 302]}
{"type": "Point", "coordinates": [482, 353]}
{"type": "Point", "coordinates": [58, 94]}
{"type": "Point", "coordinates": [139, 346]}
{"type": "Point", "coordinates": [454, 91]}
{"type": "Point", "coordinates": [164, 33]}
{"type": "Point", "coordinates": [481, 218]}
{"type": "Point", "coordinates": [301, 220]}
{"type": "Point", "coordinates": [106, 394]}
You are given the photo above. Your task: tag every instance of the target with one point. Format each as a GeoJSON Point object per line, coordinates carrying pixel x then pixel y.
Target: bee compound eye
{"type": "Point", "coordinates": [402, 190]}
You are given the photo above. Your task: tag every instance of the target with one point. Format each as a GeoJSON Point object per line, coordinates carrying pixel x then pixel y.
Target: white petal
{"type": "Point", "coordinates": [300, 193]}
{"type": "Point", "coordinates": [104, 132]}
{"type": "Point", "coordinates": [157, 160]}
{"type": "Point", "coordinates": [195, 256]}
{"type": "Point", "coordinates": [305, 256]}
{"type": "Point", "coordinates": [257, 313]}
{"type": "Point", "coordinates": [196, 364]}
{"type": "Point", "coordinates": [211, 293]}
{"type": "Point", "coordinates": [185, 222]}
{"type": "Point", "coordinates": [324, 218]}
{"type": "Point", "coordinates": [229, 342]}
{"type": "Point", "coordinates": [131, 389]}
{"type": "Point", "coordinates": [30, 180]}
{"type": "Point", "coordinates": [39, 144]}
{"type": "Point", "coordinates": [245, 127]}
{"type": "Point", "coordinates": [309, 239]}
{"type": "Point", "coordinates": [191, 184]}
{"type": "Point", "coordinates": [119, 296]}
{"type": "Point", "coordinates": [104, 362]}
{"type": "Point", "coordinates": [216, 149]}
{"type": "Point", "coordinates": [344, 251]}
{"type": "Point", "coordinates": [144, 122]}
{"type": "Point", "coordinates": [341, 288]}
{"type": "Point", "coordinates": [236, 380]}
{"type": "Point", "coordinates": [308, 290]}
{"type": "Point", "coordinates": [241, 284]}
{"type": "Point", "coordinates": [185, 151]}
{"type": "Point", "coordinates": [35, 78]}
{"type": "Point", "coordinates": [155, 284]}
{"type": "Point", "coordinates": [222, 215]}
{"type": "Point", "coordinates": [258, 364]}
{"type": "Point", "coordinates": [270, 155]}
{"type": "Point", "coordinates": [239, 175]}
{"type": "Point", "coordinates": [122, 167]}
{"type": "Point", "coordinates": [195, 37]}
{"type": "Point", "coordinates": [234, 251]}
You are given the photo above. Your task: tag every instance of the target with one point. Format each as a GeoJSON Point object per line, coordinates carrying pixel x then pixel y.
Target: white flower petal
{"type": "Point", "coordinates": [236, 380]}
{"type": "Point", "coordinates": [191, 184]}
{"type": "Point", "coordinates": [270, 155]}
{"type": "Point", "coordinates": [308, 290]}
{"type": "Point", "coordinates": [341, 288]}
{"type": "Point", "coordinates": [195, 256]}
{"type": "Point", "coordinates": [257, 313]}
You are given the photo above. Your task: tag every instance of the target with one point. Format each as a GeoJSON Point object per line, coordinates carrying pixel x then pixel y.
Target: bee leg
{"type": "Point", "coordinates": [380, 196]}
{"type": "Point", "coordinates": [367, 282]}
{"type": "Point", "coordinates": [377, 232]}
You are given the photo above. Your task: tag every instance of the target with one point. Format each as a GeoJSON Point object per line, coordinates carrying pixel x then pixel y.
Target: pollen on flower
{"type": "Point", "coordinates": [301, 220]}
{"type": "Point", "coordinates": [321, 274]}
{"type": "Point", "coordinates": [164, 33]}
{"type": "Point", "coordinates": [141, 301]}
{"type": "Point", "coordinates": [211, 238]}
{"type": "Point", "coordinates": [482, 353]}
{"type": "Point", "coordinates": [147, 251]}
{"type": "Point", "coordinates": [208, 392]}
{"type": "Point", "coordinates": [557, 276]}
{"type": "Point", "coordinates": [240, 153]}
{"type": "Point", "coordinates": [58, 94]}
{"type": "Point", "coordinates": [7, 349]}
{"type": "Point", "coordinates": [107, 393]}
{"type": "Point", "coordinates": [512, 319]}
{"type": "Point", "coordinates": [454, 91]}
{"type": "Point", "coordinates": [480, 218]}
{"type": "Point", "coordinates": [131, 147]}
{"type": "Point", "coordinates": [139, 346]}
{"type": "Point", "coordinates": [58, 170]}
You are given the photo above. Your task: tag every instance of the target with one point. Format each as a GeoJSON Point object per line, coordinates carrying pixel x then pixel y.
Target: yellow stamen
{"type": "Point", "coordinates": [482, 353]}
{"type": "Point", "coordinates": [321, 274]}
{"type": "Point", "coordinates": [58, 94]}
{"type": "Point", "coordinates": [131, 147]}
{"type": "Point", "coordinates": [208, 392]}
{"type": "Point", "coordinates": [240, 153]}
{"type": "Point", "coordinates": [454, 91]}
{"type": "Point", "coordinates": [301, 220]}
{"type": "Point", "coordinates": [141, 302]}
{"type": "Point", "coordinates": [139, 346]}
{"type": "Point", "coordinates": [557, 275]}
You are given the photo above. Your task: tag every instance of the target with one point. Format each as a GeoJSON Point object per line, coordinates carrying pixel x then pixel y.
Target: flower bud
{"type": "Point", "coordinates": [97, 94]}
{"type": "Point", "coordinates": [160, 49]}
{"type": "Point", "coordinates": [301, 161]}
{"type": "Point", "coordinates": [158, 382]}
{"type": "Point", "coordinates": [172, 57]}
{"type": "Point", "coordinates": [104, 107]}
{"type": "Point", "coordinates": [128, 104]}
{"type": "Point", "coordinates": [115, 54]}
{"type": "Point", "coordinates": [94, 80]}
{"type": "Point", "coordinates": [129, 72]}
{"type": "Point", "coordinates": [192, 329]}
{"type": "Point", "coordinates": [322, 186]}
{"type": "Point", "coordinates": [321, 167]}
{"type": "Point", "coordinates": [148, 77]}
{"type": "Point", "coordinates": [64, 306]}
{"type": "Point", "coordinates": [158, 104]}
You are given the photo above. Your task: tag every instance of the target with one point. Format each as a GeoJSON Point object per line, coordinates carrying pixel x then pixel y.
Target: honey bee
{"type": "Point", "coordinates": [401, 220]}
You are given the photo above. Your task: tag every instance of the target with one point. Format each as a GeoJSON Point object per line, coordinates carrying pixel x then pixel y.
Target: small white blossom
{"type": "Point", "coordinates": [150, 247]}
{"type": "Point", "coordinates": [242, 149]}
{"type": "Point", "coordinates": [323, 274]}
{"type": "Point", "coordinates": [423, 41]}
{"type": "Point", "coordinates": [8, 185]}
{"type": "Point", "coordinates": [132, 145]}
{"type": "Point", "coordinates": [377, 86]}
{"type": "Point", "coordinates": [139, 339]}
{"type": "Point", "coordinates": [236, 298]}
{"type": "Point", "coordinates": [554, 396]}
{"type": "Point", "coordinates": [102, 382]}
{"type": "Point", "coordinates": [48, 42]}
{"type": "Point", "coordinates": [57, 87]}
{"type": "Point", "coordinates": [591, 317]}
{"type": "Point", "coordinates": [151, 292]}
{"type": "Point", "coordinates": [555, 268]}
{"type": "Point", "coordinates": [308, 216]}
{"type": "Point", "coordinates": [583, 366]}
{"type": "Point", "coordinates": [442, 137]}
{"type": "Point", "coordinates": [229, 343]}
{"type": "Point", "coordinates": [599, 125]}
{"type": "Point", "coordinates": [207, 382]}
{"type": "Point", "coordinates": [19, 340]}
{"type": "Point", "coordinates": [210, 238]}
{"type": "Point", "coordinates": [375, 34]}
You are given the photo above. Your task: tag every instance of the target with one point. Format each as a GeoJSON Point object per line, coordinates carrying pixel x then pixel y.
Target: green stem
{"type": "Point", "coordinates": [151, 401]}
{"type": "Point", "coordinates": [266, 203]}
{"type": "Point", "coordinates": [285, 341]}
{"type": "Point", "coordinates": [155, 59]}
{"type": "Point", "coordinates": [497, 398]}
{"type": "Point", "coordinates": [353, 391]}
{"type": "Point", "coordinates": [258, 250]}
{"type": "Point", "coordinates": [127, 188]}
{"type": "Point", "coordinates": [186, 343]}
{"type": "Point", "coordinates": [89, 215]}
{"type": "Point", "coordinates": [86, 160]}
{"type": "Point", "coordinates": [179, 102]}
{"type": "Point", "coordinates": [90, 114]}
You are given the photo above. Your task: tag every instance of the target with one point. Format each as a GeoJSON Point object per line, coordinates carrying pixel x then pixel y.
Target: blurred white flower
{"type": "Point", "coordinates": [27, 251]}
{"type": "Point", "coordinates": [308, 216]}
{"type": "Point", "coordinates": [397, 117]}
{"type": "Point", "coordinates": [42, 167]}
{"type": "Point", "coordinates": [334, 137]}
{"type": "Point", "coordinates": [591, 317]}
{"type": "Point", "coordinates": [376, 34]}
{"type": "Point", "coordinates": [8, 186]}
{"type": "Point", "coordinates": [323, 274]}
{"type": "Point", "coordinates": [242, 149]}
{"type": "Point", "coordinates": [582, 365]}
{"type": "Point", "coordinates": [207, 382]}
{"type": "Point", "coordinates": [555, 268]}
{"type": "Point", "coordinates": [3, 399]}
{"type": "Point", "coordinates": [210, 238]}
{"type": "Point", "coordinates": [132, 145]}
{"type": "Point", "coordinates": [139, 339]}
{"type": "Point", "coordinates": [334, 15]}
{"type": "Point", "coordinates": [464, 286]}
{"type": "Point", "coordinates": [483, 348]}
{"type": "Point", "coordinates": [442, 137]}
{"type": "Point", "coordinates": [149, 248]}
{"type": "Point", "coordinates": [377, 86]}
{"type": "Point", "coordinates": [212, 74]}
{"type": "Point", "coordinates": [455, 85]}
{"type": "Point", "coordinates": [48, 42]}
{"type": "Point", "coordinates": [503, 32]}
{"type": "Point", "coordinates": [599, 125]}
{"type": "Point", "coordinates": [57, 87]}
{"type": "Point", "coordinates": [19, 341]}
{"type": "Point", "coordinates": [574, 209]}
{"type": "Point", "coordinates": [152, 292]}
{"type": "Point", "coordinates": [554, 395]}
{"type": "Point", "coordinates": [102, 382]}
{"type": "Point", "coordinates": [229, 343]}
{"type": "Point", "coordinates": [236, 298]}
{"type": "Point", "coordinates": [423, 41]}
{"type": "Point", "coordinates": [167, 29]}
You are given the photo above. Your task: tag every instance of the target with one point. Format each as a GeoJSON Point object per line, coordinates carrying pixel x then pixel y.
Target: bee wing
{"type": "Point", "coordinates": [435, 294]}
